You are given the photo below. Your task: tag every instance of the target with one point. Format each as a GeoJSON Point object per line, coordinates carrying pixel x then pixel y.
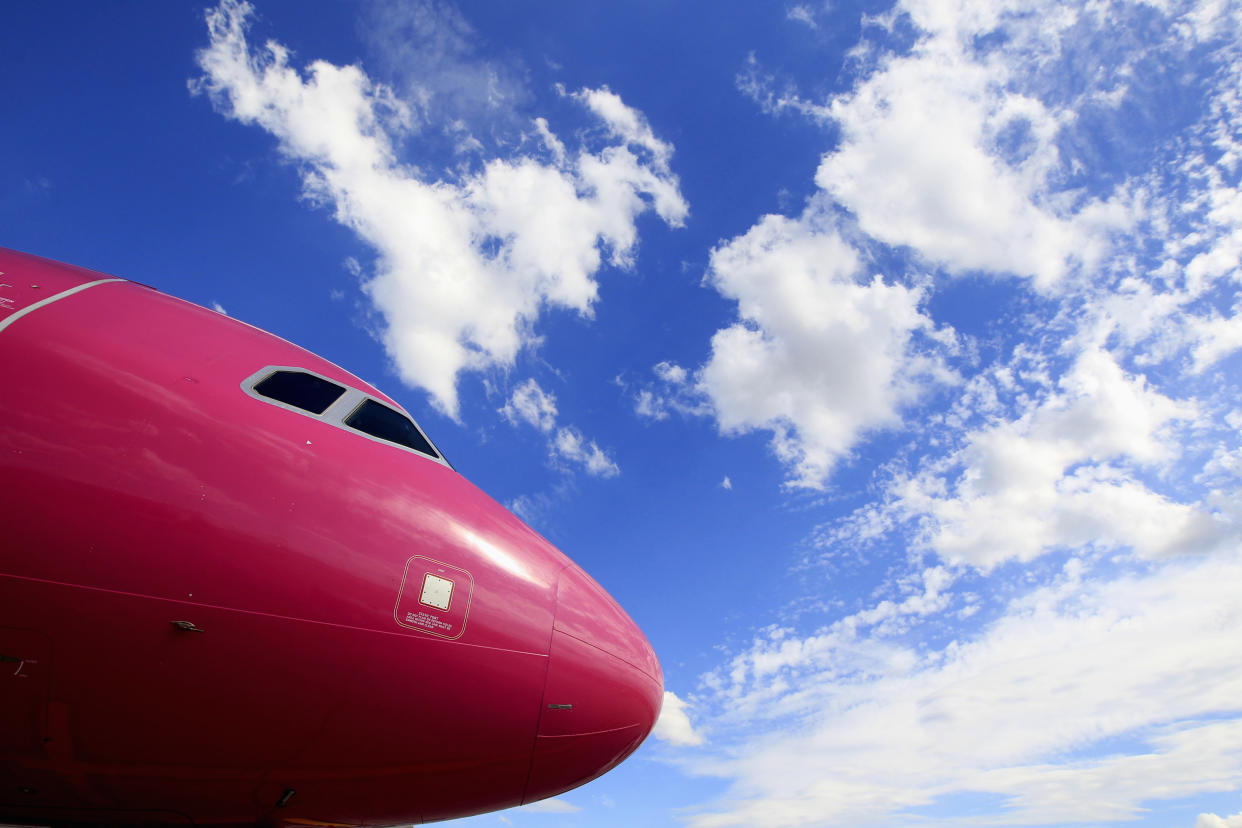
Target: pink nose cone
{"type": "Point", "coordinates": [603, 692]}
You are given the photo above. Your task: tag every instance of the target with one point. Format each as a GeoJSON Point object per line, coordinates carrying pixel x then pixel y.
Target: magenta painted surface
{"type": "Point", "coordinates": [26, 280]}
{"type": "Point", "coordinates": [143, 486]}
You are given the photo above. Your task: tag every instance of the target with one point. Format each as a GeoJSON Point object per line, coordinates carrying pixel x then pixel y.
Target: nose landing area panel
{"type": "Point", "coordinates": [434, 598]}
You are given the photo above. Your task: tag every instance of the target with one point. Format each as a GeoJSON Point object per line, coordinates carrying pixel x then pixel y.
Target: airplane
{"type": "Point", "coordinates": [239, 586]}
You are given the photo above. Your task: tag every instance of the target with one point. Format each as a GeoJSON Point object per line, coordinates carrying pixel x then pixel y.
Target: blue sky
{"type": "Point", "coordinates": [881, 359]}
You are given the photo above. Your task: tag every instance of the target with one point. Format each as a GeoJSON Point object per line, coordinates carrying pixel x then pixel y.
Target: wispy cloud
{"type": "Point", "coordinates": [857, 727]}
{"type": "Point", "coordinates": [432, 57]}
{"type": "Point", "coordinates": [552, 806]}
{"type": "Point", "coordinates": [802, 14]}
{"type": "Point", "coordinates": [531, 405]}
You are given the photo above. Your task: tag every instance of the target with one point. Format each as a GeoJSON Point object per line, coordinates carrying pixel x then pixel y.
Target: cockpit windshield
{"type": "Point", "coordinates": [308, 393]}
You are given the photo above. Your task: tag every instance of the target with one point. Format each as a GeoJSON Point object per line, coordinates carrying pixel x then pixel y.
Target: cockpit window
{"type": "Point", "coordinates": [305, 391]}
{"type": "Point", "coordinates": [378, 420]}
{"type": "Point", "coordinates": [339, 405]}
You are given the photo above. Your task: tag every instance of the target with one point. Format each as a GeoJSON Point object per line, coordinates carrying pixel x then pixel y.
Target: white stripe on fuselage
{"type": "Point", "coordinates": [49, 300]}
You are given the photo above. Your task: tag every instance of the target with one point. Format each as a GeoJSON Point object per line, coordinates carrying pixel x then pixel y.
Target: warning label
{"type": "Point", "coordinates": [434, 597]}
{"type": "Point", "coordinates": [427, 621]}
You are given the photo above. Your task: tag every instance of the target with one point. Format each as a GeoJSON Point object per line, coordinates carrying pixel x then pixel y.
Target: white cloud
{"type": "Point", "coordinates": [674, 724]}
{"type": "Point", "coordinates": [552, 806]}
{"type": "Point", "coordinates": [648, 406]}
{"type": "Point", "coordinates": [530, 404]}
{"type": "Point", "coordinates": [571, 445]}
{"type": "Point", "coordinates": [941, 152]}
{"type": "Point", "coordinates": [1191, 209]}
{"type": "Point", "coordinates": [432, 54]}
{"type": "Point", "coordinates": [1214, 821]}
{"type": "Point", "coordinates": [1056, 477]}
{"type": "Point", "coordinates": [802, 14]}
{"type": "Point", "coordinates": [914, 168]}
{"type": "Point", "coordinates": [1081, 437]}
{"type": "Point", "coordinates": [632, 128]}
{"type": "Point", "coordinates": [670, 372]}
{"type": "Point", "coordinates": [1223, 257]}
{"type": "Point", "coordinates": [873, 730]}
{"type": "Point", "coordinates": [1216, 337]}
{"type": "Point", "coordinates": [726, 484]}
{"type": "Point", "coordinates": [464, 266]}
{"type": "Point", "coordinates": [819, 355]}
{"type": "Point", "coordinates": [756, 685]}
{"type": "Point", "coordinates": [970, 148]}
{"type": "Point", "coordinates": [672, 392]}
{"type": "Point", "coordinates": [943, 149]}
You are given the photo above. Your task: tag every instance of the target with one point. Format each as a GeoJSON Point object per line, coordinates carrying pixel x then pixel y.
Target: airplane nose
{"type": "Point", "coordinates": [603, 692]}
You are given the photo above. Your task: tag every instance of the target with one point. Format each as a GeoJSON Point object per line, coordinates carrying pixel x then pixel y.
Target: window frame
{"type": "Point", "coordinates": [254, 387]}
{"type": "Point", "coordinates": [362, 401]}
{"type": "Point", "coordinates": [340, 409]}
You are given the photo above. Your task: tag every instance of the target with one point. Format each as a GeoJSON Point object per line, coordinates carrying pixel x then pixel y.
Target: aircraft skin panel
{"type": "Point", "coordinates": [238, 613]}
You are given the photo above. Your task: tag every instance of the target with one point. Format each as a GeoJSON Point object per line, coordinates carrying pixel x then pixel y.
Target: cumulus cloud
{"type": "Point", "coordinates": [942, 151]}
{"type": "Point", "coordinates": [967, 148]}
{"type": "Point", "coordinates": [1214, 821]}
{"type": "Point", "coordinates": [464, 267]}
{"type": "Point", "coordinates": [531, 405]}
{"type": "Point", "coordinates": [917, 167]}
{"type": "Point", "coordinates": [874, 730]}
{"type": "Point", "coordinates": [1057, 477]}
{"type": "Point", "coordinates": [674, 724]}
{"type": "Point", "coordinates": [820, 353]}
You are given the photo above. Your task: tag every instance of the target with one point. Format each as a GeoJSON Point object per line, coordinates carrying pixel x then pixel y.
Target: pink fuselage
{"type": "Point", "coordinates": [217, 610]}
